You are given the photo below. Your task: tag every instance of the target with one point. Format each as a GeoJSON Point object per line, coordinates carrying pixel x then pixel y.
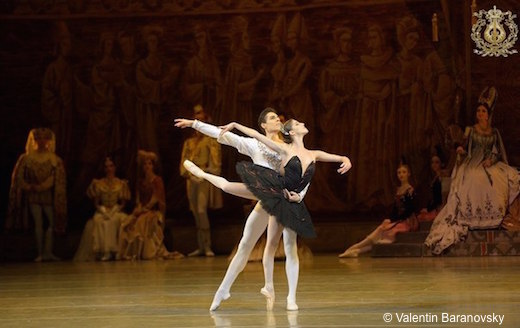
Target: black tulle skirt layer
{"type": "Point", "coordinates": [267, 185]}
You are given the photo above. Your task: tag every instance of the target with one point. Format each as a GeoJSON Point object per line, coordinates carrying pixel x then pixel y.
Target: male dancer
{"type": "Point", "coordinates": [258, 219]}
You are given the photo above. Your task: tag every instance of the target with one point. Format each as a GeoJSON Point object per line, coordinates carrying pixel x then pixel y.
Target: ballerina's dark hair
{"type": "Point", "coordinates": [286, 128]}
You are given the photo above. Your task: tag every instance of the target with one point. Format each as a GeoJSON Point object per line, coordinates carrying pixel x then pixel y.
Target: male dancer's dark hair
{"type": "Point", "coordinates": [263, 114]}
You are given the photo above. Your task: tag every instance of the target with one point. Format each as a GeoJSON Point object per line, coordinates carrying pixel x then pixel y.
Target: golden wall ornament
{"type": "Point", "coordinates": [494, 33]}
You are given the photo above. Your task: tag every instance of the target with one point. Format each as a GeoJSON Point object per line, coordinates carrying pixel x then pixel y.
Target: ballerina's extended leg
{"type": "Point", "coordinates": [234, 188]}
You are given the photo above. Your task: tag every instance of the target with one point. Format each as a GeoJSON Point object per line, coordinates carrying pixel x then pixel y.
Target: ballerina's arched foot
{"type": "Point", "coordinates": [349, 253]}
{"type": "Point", "coordinates": [194, 169]}
{"type": "Point", "coordinates": [291, 305]}
{"type": "Point", "coordinates": [219, 297]}
{"type": "Point", "coordinates": [268, 292]}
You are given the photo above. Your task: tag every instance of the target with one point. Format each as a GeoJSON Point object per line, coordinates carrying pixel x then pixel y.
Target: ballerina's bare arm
{"type": "Point", "coordinates": [276, 146]}
{"type": "Point", "coordinates": [322, 156]}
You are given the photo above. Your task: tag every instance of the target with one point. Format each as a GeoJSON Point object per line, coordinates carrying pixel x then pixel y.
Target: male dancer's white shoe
{"type": "Point", "coordinates": [219, 297]}
{"type": "Point", "coordinates": [268, 292]}
{"type": "Point", "coordinates": [194, 169]}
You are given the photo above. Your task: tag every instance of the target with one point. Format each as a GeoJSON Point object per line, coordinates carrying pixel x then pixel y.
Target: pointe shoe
{"type": "Point", "coordinates": [291, 305]}
{"type": "Point", "coordinates": [38, 258]}
{"type": "Point", "coordinates": [219, 297]}
{"type": "Point", "coordinates": [269, 297]}
{"type": "Point", "coordinates": [194, 169]}
{"type": "Point", "coordinates": [209, 253]}
{"type": "Point", "coordinates": [349, 253]}
{"type": "Point", "coordinates": [106, 257]}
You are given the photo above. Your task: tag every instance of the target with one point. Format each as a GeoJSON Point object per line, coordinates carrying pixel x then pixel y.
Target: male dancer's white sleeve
{"type": "Point", "coordinates": [244, 145]}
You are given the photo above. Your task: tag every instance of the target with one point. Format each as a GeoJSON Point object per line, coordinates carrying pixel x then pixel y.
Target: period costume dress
{"type": "Point", "coordinates": [101, 234]}
{"type": "Point", "coordinates": [402, 218]}
{"type": "Point", "coordinates": [141, 235]}
{"type": "Point", "coordinates": [267, 185]}
{"type": "Point", "coordinates": [479, 196]}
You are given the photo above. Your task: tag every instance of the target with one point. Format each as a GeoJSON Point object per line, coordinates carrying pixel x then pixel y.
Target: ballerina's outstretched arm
{"type": "Point", "coordinates": [322, 156]}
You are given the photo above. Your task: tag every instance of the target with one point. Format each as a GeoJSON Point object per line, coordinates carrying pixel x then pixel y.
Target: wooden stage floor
{"type": "Point", "coordinates": [331, 293]}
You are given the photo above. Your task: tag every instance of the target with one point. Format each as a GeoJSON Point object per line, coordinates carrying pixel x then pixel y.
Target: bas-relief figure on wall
{"type": "Point", "coordinates": [154, 79]}
{"type": "Point", "coordinates": [279, 69]}
{"type": "Point", "coordinates": [239, 86]}
{"type": "Point", "coordinates": [202, 82]}
{"type": "Point", "coordinates": [440, 85]}
{"type": "Point", "coordinates": [339, 94]}
{"type": "Point", "coordinates": [103, 131]}
{"type": "Point", "coordinates": [241, 78]}
{"type": "Point", "coordinates": [296, 92]}
{"type": "Point", "coordinates": [410, 104]}
{"type": "Point", "coordinates": [57, 101]}
{"type": "Point", "coordinates": [338, 90]}
{"type": "Point", "coordinates": [128, 63]}
{"type": "Point", "coordinates": [375, 121]}
{"type": "Point", "coordinates": [413, 117]}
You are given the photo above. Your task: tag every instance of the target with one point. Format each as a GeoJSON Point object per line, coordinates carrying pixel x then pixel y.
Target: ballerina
{"type": "Point", "coordinates": [272, 189]}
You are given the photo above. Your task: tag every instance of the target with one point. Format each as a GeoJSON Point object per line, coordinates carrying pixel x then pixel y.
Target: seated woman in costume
{"type": "Point", "coordinates": [483, 184]}
{"type": "Point", "coordinates": [100, 236]}
{"type": "Point", "coordinates": [142, 233]}
{"type": "Point", "coordinates": [401, 219]}
{"type": "Point", "coordinates": [38, 187]}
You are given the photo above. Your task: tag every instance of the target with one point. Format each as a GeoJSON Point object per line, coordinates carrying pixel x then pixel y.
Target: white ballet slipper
{"type": "Point", "coordinates": [193, 169]}
{"type": "Point", "coordinates": [218, 298]}
{"type": "Point", "coordinates": [268, 292]}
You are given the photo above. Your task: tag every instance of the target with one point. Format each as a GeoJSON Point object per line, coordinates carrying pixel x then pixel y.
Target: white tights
{"type": "Point", "coordinates": [292, 262]}
{"type": "Point", "coordinates": [255, 226]}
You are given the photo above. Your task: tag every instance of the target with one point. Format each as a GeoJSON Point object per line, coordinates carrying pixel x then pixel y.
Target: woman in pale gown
{"type": "Point", "coordinates": [401, 219]}
{"type": "Point", "coordinates": [483, 185]}
{"type": "Point", "coordinates": [142, 233]}
{"type": "Point", "coordinates": [100, 236]}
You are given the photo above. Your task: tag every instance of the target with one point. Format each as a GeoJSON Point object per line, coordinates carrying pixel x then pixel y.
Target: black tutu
{"type": "Point", "coordinates": [267, 185]}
